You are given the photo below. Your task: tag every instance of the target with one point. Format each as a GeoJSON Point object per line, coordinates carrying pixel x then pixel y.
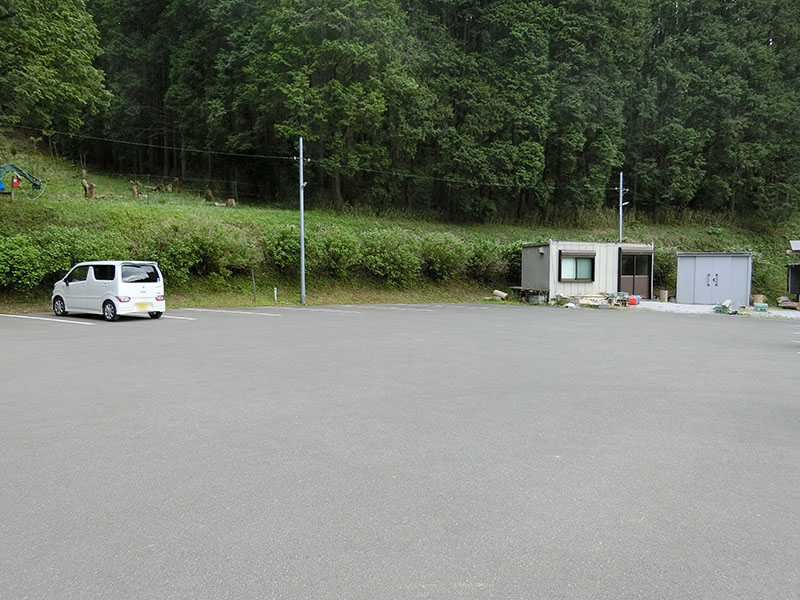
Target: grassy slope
{"type": "Point", "coordinates": [62, 203]}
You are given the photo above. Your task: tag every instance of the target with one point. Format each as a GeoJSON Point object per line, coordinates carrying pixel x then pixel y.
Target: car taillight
{"type": "Point", "coordinates": [160, 298]}
{"type": "Point", "coordinates": [124, 298]}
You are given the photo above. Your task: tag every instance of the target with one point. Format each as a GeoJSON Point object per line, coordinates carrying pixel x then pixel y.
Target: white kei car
{"type": "Point", "coordinates": [111, 288]}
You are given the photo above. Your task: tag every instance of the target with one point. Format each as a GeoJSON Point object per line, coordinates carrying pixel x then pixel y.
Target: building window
{"type": "Point", "coordinates": [574, 266]}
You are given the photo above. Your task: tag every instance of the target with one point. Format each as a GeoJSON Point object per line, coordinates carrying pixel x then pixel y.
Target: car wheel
{"type": "Point", "coordinates": [155, 315]}
{"type": "Point", "coordinates": [59, 307]}
{"type": "Point", "coordinates": [110, 311]}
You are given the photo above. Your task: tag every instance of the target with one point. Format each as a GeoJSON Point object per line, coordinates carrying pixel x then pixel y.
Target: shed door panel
{"type": "Point", "coordinates": [634, 275]}
{"type": "Point", "coordinates": [722, 280]}
{"type": "Point", "coordinates": [686, 279]}
{"type": "Point", "coordinates": [703, 286]}
{"type": "Point", "coordinates": [741, 276]}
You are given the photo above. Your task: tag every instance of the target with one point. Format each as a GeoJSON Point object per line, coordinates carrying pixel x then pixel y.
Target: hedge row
{"type": "Point", "coordinates": [397, 257]}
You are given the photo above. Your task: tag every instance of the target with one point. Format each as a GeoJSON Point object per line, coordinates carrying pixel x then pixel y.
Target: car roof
{"type": "Point", "coordinates": [114, 262]}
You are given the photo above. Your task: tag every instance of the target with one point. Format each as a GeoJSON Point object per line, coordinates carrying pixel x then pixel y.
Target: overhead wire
{"type": "Point", "coordinates": [392, 173]}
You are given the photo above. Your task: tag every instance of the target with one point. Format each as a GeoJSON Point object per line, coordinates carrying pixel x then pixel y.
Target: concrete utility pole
{"type": "Point", "coordinates": [302, 232]}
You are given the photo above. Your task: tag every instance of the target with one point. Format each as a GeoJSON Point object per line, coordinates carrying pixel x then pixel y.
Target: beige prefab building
{"type": "Point", "coordinates": [561, 268]}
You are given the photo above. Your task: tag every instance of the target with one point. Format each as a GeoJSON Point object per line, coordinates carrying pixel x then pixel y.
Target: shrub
{"type": "Point", "coordinates": [665, 269]}
{"type": "Point", "coordinates": [281, 248]}
{"type": "Point", "coordinates": [486, 263]}
{"type": "Point", "coordinates": [512, 254]}
{"type": "Point", "coordinates": [171, 248]}
{"type": "Point", "coordinates": [339, 251]}
{"type": "Point", "coordinates": [186, 249]}
{"type": "Point", "coordinates": [21, 264]}
{"type": "Point", "coordinates": [28, 261]}
{"type": "Point", "coordinates": [238, 251]}
{"type": "Point", "coordinates": [391, 255]}
{"type": "Point", "coordinates": [64, 246]}
{"type": "Point", "coordinates": [444, 256]}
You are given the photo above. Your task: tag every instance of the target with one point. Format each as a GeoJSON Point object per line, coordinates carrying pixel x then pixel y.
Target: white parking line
{"type": "Point", "coordinates": [47, 319]}
{"type": "Point", "coordinates": [405, 308]}
{"type": "Point", "coordinates": [394, 308]}
{"type": "Point", "coordinates": [182, 318]}
{"type": "Point", "coordinates": [233, 312]}
{"type": "Point", "coordinates": [331, 310]}
{"type": "Point", "coordinates": [461, 306]}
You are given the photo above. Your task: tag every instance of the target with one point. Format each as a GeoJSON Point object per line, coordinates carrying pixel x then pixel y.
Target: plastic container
{"type": "Point", "coordinates": [633, 300]}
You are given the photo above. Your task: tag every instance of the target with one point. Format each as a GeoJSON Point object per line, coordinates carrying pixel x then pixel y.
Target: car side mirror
{"type": "Point", "coordinates": [66, 283]}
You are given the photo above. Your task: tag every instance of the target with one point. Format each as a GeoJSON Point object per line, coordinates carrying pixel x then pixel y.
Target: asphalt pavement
{"type": "Point", "coordinates": [406, 451]}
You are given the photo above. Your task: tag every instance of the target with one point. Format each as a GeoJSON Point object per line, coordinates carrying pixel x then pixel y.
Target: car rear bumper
{"type": "Point", "coordinates": [141, 305]}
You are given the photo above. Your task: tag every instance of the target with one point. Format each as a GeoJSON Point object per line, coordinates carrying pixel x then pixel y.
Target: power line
{"type": "Point", "coordinates": [456, 180]}
{"type": "Point", "coordinates": [150, 145]}
{"type": "Point", "coordinates": [399, 174]}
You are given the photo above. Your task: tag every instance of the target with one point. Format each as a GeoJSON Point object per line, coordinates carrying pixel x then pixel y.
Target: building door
{"type": "Point", "coordinates": [634, 274]}
{"type": "Point", "coordinates": [712, 278]}
{"type": "Point", "coordinates": [713, 282]}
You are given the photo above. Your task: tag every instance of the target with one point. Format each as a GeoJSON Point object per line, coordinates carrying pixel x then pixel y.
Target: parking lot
{"type": "Point", "coordinates": [405, 451]}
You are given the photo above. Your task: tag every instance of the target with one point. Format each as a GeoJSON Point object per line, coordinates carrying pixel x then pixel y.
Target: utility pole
{"type": "Point", "coordinates": [621, 204]}
{"type": "Point", "coordinates": [302, 232]}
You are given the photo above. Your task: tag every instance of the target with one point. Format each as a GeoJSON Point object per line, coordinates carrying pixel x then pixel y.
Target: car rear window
{"type": "Point", "coordinates": [139, 274]}
{"type": "Point", "coordinates": [103, 272]}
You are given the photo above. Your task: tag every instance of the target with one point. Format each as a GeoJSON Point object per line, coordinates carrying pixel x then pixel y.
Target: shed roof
{"type": "Point", "coordinates": [638, 245]}
{"type": "Point", "coordinates": [750, 254]}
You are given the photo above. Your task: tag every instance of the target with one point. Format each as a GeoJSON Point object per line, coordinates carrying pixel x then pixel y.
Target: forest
{"type": "Point", "coordinates": [468, 110]}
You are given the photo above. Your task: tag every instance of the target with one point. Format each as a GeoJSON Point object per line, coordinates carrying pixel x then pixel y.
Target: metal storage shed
{"type": "Point", "coordinates": [713, 277]}
{"type": "Point", "coordinates": [568, 268]}
{"type": "Point", "coordinates": [793, 279]}
{"type": "Point", "coordinates": [793, 270]}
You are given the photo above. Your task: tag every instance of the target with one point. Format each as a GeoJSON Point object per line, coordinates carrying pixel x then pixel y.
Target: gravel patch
{"type": "Point", "coordinates": [709, 309]}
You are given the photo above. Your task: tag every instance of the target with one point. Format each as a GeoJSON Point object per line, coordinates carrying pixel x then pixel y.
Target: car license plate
{"type": "Point", "coordinates": [142, 306]}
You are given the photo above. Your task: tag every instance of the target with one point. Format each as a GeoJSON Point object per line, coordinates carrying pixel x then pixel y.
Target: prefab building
{"type": "Point", "coordinates": [562, 268]}
{"type": "Point", "coordinates": [714, 277]}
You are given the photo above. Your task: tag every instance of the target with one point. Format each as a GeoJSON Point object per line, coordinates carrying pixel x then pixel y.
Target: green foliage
{"type": "Point", "coordinates": [474, 111]}
{"type": "Point", "coordinates": [392, 256]}
{"type": "Point", "coordinates": [340, 251]}
{"type": "Point", "coordinates": [47, 76]}
{"type": "Point", "coordinates": [512, 255]}
{"type": "Point", "coordinates": [487, 262]}
{"type": "Point", "coordinates": [190, 247]}
{"type": "Point", "coordinates": [21, 263]}
{"type": "Point", "coordinates": [29, 261]}
{"type": "Point", "coordinates": [282, 249]}
{"type": "Point", "coordinates": [444, 256]}
{"type": "Point", "coordinates": [196, 243]}
{"type": "Point", "coordinates": [665, 269]}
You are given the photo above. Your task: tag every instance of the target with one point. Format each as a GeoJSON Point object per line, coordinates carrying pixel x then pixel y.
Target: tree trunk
{"type": "Point", "coordinates": [183, 159]}
{"type": "Point", "coordinates": [337, 190]}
